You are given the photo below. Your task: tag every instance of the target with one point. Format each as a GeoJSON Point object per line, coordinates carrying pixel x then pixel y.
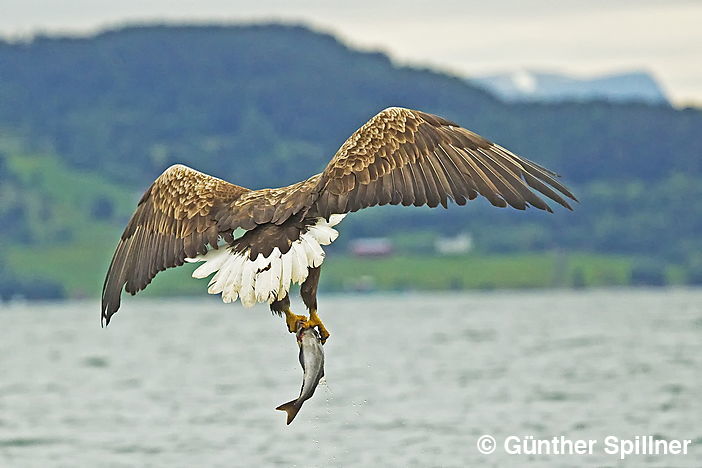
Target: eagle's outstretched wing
{"type": "Point", "coordinates": [408, 157]}
{"type": "Point", "coordinates": [180, 214]}
{"type": "Point", "coordinates": [176, 218]}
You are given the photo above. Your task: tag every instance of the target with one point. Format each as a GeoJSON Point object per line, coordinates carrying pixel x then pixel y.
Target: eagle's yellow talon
{"type": "Point", "coordinates": [291, 320]}
{"type": "Point", "coordinates": [315, 321]}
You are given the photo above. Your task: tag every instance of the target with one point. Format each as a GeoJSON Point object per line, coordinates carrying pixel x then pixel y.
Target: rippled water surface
{"type": "Point", "coordinates": [412, 380]}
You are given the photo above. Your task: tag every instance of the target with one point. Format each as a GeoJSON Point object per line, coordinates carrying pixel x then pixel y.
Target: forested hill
{"type": "Point", "coordinates": [130, 101]}
{"type": "Point", "coordinates": [267, 105]}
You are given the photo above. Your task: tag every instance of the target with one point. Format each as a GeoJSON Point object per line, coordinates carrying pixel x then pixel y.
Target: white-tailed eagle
{"type": "Point", "coordinates": [400, 156]}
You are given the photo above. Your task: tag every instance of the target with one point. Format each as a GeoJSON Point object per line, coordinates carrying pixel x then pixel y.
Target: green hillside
{"type": "Point", "coordinates": [286, 97]}
{"type": "Point", "coordinates": [87, 123]}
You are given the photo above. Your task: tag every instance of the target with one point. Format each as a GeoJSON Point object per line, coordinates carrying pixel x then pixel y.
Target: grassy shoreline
{"type": "Point", "coordinates": [80, 271]}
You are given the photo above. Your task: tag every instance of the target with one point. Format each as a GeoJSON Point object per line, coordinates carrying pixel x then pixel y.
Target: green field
{"type": "Point", "coordinates": [81, 268]}
{"type": "Point", "coordinates": [532, 270]}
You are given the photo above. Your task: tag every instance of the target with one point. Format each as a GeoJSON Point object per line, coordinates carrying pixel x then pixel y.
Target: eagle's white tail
{"type": "Point", "coordinates": [266, 279]}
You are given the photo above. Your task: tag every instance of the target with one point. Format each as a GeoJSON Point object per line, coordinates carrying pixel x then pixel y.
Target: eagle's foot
{"type": "Point", "coordinates": [315, 321]}
{"type": "Point", "coordinates": [291, 320]}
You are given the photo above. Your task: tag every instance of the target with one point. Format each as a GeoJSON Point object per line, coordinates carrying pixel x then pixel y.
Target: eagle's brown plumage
{"type": "Point", "coordinates": [400, 156]}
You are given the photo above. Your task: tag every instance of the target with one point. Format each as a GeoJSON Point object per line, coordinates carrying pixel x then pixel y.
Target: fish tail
{"type": "Point", "coordinates": [291, 408]}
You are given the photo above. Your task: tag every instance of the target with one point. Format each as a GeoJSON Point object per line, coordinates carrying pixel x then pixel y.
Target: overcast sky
{"type": "Point", "coordinates": [468, 37]}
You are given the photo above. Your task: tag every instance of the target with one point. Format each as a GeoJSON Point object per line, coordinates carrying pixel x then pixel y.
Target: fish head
{"type": "Point", "coordinates": [302, 332]}
{"type": "Point", "coordinates": [300, 328]}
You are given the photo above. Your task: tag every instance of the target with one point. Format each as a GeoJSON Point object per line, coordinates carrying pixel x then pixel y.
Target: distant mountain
{"type": "Point", "coordinates": [551, 87]}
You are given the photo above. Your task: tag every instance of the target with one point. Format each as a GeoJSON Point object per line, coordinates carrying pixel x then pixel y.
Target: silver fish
{"type": "Point", "coordinates": [312, 362]}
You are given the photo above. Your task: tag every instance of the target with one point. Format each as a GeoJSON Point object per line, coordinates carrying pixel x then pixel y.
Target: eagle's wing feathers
{"type": "Point", "coordinates": [175, 219]}
{"type": "Point", "coordinates": [408, 157]}
{"type": "Point", "coordinates": [271, 205]}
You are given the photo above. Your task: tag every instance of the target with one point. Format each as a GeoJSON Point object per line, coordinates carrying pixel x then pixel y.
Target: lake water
{"type": "Point", "coordinates": [412, 380]}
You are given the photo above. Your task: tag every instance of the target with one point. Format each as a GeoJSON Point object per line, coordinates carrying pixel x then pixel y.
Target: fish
{"type": "Point", "coordinates": [312, 362]}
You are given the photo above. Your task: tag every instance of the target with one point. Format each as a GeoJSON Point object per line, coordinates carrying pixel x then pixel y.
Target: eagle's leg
{"type": "Point", "coordinates": [308, 291]}
{"type": "Point", "coordinates": [281, 307]}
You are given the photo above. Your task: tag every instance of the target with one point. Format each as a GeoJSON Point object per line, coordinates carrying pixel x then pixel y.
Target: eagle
{"type": "Point", "coordinates": [399, 157]}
